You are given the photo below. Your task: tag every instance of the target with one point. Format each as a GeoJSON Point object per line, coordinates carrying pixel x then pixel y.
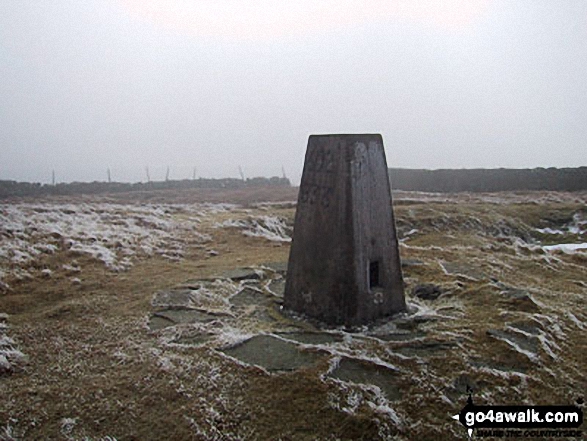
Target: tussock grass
{"type": "Point", "coordinates": [94, 369]}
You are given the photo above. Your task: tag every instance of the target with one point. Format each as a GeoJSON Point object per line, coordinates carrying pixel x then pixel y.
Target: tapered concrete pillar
{"type": "Point", "coordinates": [344, 265]}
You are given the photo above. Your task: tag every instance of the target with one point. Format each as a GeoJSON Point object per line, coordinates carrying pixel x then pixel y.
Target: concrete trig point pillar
{"type": "Point", "coordinates": [344, 266]}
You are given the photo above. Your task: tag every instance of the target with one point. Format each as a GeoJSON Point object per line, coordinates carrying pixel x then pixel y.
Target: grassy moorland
{"type": "Point", "coordinates": [122, 319]}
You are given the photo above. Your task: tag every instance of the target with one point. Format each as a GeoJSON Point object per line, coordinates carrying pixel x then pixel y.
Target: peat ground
{"type": "Point", "coordinates": [491, 310]}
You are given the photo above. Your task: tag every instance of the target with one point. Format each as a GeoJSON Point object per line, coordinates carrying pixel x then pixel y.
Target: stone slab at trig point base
{"type": "Point", "coordinates": [344, 265]}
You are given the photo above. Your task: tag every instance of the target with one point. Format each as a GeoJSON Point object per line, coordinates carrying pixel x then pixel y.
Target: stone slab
{"type": "Point", "coordinates": [362, 372]}
{"type": "Point", "coordinates": [239, 274]}
{"type": "Point", "coordinates": [273, 354]}
{"type": "Point", "coordinates": [172, 317]}
{"type": "Point", "coordinates": [312, 338]}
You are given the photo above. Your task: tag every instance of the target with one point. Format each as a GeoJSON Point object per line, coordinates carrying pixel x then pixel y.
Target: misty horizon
{"type": "Point", "coordinates": [126, 84]}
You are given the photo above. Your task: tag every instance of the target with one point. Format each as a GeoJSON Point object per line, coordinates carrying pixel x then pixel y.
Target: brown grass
{"type": "Point", "coordinates": [91, 356]}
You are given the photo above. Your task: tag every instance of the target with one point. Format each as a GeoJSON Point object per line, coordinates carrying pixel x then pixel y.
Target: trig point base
{"type": "Point", "coordinates": [344, 265]}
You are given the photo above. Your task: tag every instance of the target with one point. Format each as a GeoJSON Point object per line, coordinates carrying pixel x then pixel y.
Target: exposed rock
{"type": "Point", "coordinates": [273, 354]}
{"type": "Point", "coordinates": [173, 298]}
{"type": "Point", "coordinates": [459, 269]}
{"type": "Point", "coordinates": [529, 326]}
{"type": "Point", "coordinates": [362, 372]}
{"type": "Point", "coordinates": [510, 366]}
{"type": "Point", "coordinates": [248, 297]}
{"type": "Point", "coordinates": [426, 348]}
{"type": "Point", "coordinates": [5, 366]}
{"type": "Point", "coordinates": [278, 267]}
{"type": "Point", "coordinates": [413, 321]}
{"type": "Point", "coordinates": [239, 274]}
{"type": "Point", "coordinates": [277, 287]}
{"type": "Point", "coordinates": [427, 291]}
{"type": "Point", "coordinates": [312, 338]}
{"type": "Point", "coordinates": [406, 263]}
{"type": "Point", "coordinates": [520, 299]}
{"type": "Point", "coordinates": [172, 317]}
{"type": "Point", "coordinates": [193, 339]}
{"type": "Point", "coordinates": [519, 342]}
{"type": "Point", "coordinates": [400, 335]}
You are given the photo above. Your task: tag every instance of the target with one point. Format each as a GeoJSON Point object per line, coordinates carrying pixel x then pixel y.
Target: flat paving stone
{"type": "Point", "coordinates": [426, 348]}
{"type": "Point", "coordinates": [400, 336]}
{"type": "Point", "coordinates": [261, 314]}
{"type": "Point", "coordinates": [277, 287]}
{"type": "Point", "coordinates": [312, 338]}
{"type": "Point", "coordinates": [238, 274]}
{"type": "Point", "coordinates": [427, 291]}
{"type": "Point", "coordinates": [273, 354]}
{"type": "Point", "coordinates": [156, 323]}
{"type": "Point", "coordinates": [248, 297]}
{"type": "Point", "coordinates": [362, 372]}
{"type": "Point", "coordinates": [278, 267]}
{"type": "Point", "coordinates": [172, 317]}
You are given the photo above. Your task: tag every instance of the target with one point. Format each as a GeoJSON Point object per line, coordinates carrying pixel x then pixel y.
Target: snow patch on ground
{"type": "Point", "coordinates": [567, 248]}
{"type": "Point", "coordinates": [578, 323]}
{"type": "Point", "coordinates": [549, 231]}
{"type": "Point", "coordinates": [577, 226]}
{"type": "Point", "coordinates": [111, 233]}
{"type": "Point", "coordinates": [272, 228]}
{"type": "Point", "coordinates": [351, 397]}
{"type": "Point", "coordinates": [516, 347]}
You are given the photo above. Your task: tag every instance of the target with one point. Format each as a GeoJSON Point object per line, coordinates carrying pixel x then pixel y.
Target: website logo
{"type": "Point", "coordinates": [521, 421]}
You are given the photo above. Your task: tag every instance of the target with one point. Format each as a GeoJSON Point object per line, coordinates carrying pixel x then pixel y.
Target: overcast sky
{"type": "Point", "coordinates": [218, 84]}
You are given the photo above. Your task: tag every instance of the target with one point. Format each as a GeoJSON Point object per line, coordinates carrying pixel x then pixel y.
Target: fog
{"type": "Point", "coordinates": [221, 84]}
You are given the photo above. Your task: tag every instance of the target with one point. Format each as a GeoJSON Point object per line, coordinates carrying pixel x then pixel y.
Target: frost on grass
{"type": "Point", "coordinates": [208, 383]}
{"type": "Point", "coordinates": [273, 228]}
{"type": "Point", "coordinates": [7, 433]}
{"type": "Point", "coordinates": [10, 357]}
{"type": "Point", "coordinates": [111, 233]}
{"type": "Point", "coordinates": [577, 226]}
{"type": "Point", "coordinates": [578, 323]}
{"type": "Point", "coordinates": [347, 399]}
{"type": "Point", "coordinates": [67, 426]}
{"type": "Point", "coordinates": [4, 287]}
{"type": "Point", "coordinates": [210, 296]}
{"type": "Point", "coordinates": [355, 398]}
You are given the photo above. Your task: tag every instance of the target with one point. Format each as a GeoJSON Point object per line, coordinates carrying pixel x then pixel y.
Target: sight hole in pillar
{"type": "Point", "coordinates": [374, 279]}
